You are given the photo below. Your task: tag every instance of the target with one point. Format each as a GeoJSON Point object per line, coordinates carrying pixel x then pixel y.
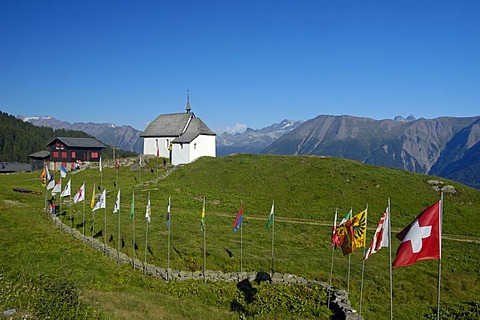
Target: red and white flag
{"type": "Point", "coordinates": [381, 237]}
{"type": "Point", "coordinates": [80, 195]}
{"type": "Point", "coordinates": [335, 239]}
{"type": "Point", "coordinates": [421, 240]}
{"type": "Point", "coordinates": [57, 188]}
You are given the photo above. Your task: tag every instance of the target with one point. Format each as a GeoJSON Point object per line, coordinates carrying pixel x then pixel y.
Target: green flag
{"type": "Point", "coordinates": [132, 207]}
{"type": "Point", "coordinates": [270, 218]}
{"type": "Point", "coordinates": [347, 217]}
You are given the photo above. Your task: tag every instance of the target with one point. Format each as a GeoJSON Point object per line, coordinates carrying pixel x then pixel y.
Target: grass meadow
{"type": "Point", "coordinates": [44, 271]}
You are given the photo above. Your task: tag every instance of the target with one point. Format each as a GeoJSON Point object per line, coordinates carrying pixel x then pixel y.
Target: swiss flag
{"type": "Point", "coordinates": [421, 240]}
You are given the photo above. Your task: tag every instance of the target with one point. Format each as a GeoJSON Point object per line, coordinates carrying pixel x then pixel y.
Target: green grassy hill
{"type": "Point", "coordinates": [306, 191]}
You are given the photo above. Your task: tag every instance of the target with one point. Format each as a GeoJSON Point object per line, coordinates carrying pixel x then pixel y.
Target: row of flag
{"type": "Point", "coordinates": [49, 183]}
{"type": "Point", "coordinates": [420, 240]}
{"type": "Point", "coordinates": [239, 218]}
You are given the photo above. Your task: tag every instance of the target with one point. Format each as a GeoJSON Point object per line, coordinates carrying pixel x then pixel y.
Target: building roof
{"type": "Point", "coordinates": [79, 142]}
{"type": "Point", "coordinates": [7, 167]}
{"type": "Point", "coordinates": [183, 126]}
{"type": "Point", "coordinates": [40, 154]}
{"type": "Point", "coordinates": [195, 128]}
{"type": "Point", "coordinates": [167, 125]}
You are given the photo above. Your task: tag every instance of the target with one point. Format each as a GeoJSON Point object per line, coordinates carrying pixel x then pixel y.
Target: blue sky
{"type": "Point", "coordinates": [246, 63]}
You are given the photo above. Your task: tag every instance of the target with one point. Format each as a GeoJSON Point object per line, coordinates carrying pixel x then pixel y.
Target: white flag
{"type": "Point", "coordinates": [80, 195]}
{"type": "Point", "coordinates": [100, 164]}
{"type": "Point", "coordinates": [102, 202]}
{"type": "Point", "coordinates": [116, 208]}
{"type": "Point", "coordinates": [57, 188]}
{"type": "Point", "coordinates": [67, 191]}
{"type": "Point", "coordinates": [381, 237]}
{"type": "Point", "coordinates": [148, 212]}
{"type": "Point", "coordinates": [50, 180]}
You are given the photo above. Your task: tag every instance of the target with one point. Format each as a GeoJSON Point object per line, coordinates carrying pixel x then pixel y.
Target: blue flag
{"type": "Point", "coordinates": [63, 171]}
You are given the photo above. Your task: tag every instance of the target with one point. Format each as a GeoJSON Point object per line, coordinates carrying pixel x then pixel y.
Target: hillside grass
{"type": "Point", "coordinates": [306, 191]}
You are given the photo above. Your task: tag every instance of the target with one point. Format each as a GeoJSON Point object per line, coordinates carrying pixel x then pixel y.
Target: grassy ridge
{"type": "Point", "coordinates": [306, 190]}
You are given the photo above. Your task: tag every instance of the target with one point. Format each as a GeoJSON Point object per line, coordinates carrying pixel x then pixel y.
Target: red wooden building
{"type": "Point", "coordinates": [71, 151]}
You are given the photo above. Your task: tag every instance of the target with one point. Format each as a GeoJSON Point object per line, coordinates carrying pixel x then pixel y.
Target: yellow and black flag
{"type": "Point", "coordinates": [353, 233]}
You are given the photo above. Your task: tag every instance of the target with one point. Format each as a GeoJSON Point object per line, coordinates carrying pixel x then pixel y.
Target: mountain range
{"type": "Point", "coordinates": [124, 137]}
{"type": "Point", "coordinates": [448, 147]}
{"type": "Point", "coordinates": [253, 141]}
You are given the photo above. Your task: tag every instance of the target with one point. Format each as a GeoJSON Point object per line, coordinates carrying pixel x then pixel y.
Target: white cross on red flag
{"type": "Point", "coordinates": [421, 240]}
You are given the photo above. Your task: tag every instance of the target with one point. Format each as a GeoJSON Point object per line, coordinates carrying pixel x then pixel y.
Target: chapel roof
{"type": "Point", "coordinates": [195, 128]}
{"type": "Point", "coordinates": [167, 125]}
{"type": "Point", "coordinates": [184, 126]}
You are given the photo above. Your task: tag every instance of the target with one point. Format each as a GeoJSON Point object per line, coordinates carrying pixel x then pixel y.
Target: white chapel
{"type": "Point", "coordinates": [180, 137]}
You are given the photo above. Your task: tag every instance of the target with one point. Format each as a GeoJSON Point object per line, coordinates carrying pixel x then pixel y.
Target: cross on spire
{"type": "Point", "coordinates": [188, 101]}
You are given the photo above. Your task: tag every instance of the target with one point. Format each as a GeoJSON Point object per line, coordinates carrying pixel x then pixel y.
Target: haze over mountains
{"type": "Point", "coordinates": [447, 147]}
{"type": "Point", "coordinates": [124, 137]}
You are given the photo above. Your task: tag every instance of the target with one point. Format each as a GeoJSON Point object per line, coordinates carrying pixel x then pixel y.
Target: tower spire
{"type": "Point", "coordinates": [188, 101]}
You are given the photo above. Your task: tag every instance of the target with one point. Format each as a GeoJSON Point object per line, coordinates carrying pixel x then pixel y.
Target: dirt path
{"type": "Point", "coordinates": [452, 237]}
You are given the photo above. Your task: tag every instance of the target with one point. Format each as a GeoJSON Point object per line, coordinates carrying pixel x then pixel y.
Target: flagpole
{"type": "Point", "coordinates": [146, 247]}
{"type": "Point", "coordinates": [119, 226]}
{"type": "Point", "coordinates": [241, 241]}
{"type": "Point", "coordinates": [101, 172]}
{"type": "Point", "coordinates": [168, 250]}
{"type": "Point", "coordinates": [46, 191]}
{"type": "Point", "coordinates": [118, 169]}
{"type": "Point", "coordinates": [158, 154]}
{"type": "Point", "coordinates": [204, 243]}
{"type": "Point", "coordinates": [60, 209]}
{"type": "Point", "coordinates": [140, 167]}
{"type": "Point", "coordinates": [363, 260]}
{"type": "Point", "coordinates": [133, 230]}
{"type": "Point", "coordinates": [273, 232]}
{"type": "Point", "coordinates": [93, 212]}
{"type": "Point", "coordinates": [83, 215]}
{"type": "Point", "coordinates": [348, 274]}
{"type": "Point", "coordinates": [105, 227]}
{"type": "Point", "coordinates": [331, 264]}
{"type": "Point", "coordinates": [390, 253]}
{"type": "Point", "coordinates": [440, 249]}
{"type": "Point", "coordinates": [46, 184]}
{"type": "Point", "coordinates": [70, 208]}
